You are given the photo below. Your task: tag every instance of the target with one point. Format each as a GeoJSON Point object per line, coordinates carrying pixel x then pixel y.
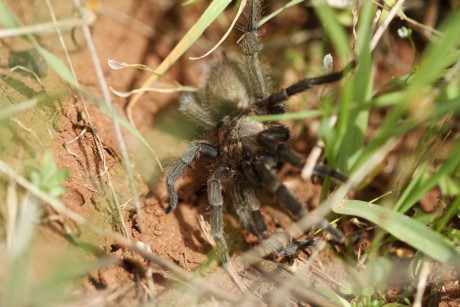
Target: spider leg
{"type": "Point", "coordinates": [247, 207]}
{"type": "Point", "coordinates": [324, 170]}
{"type": "Point", "coordinates": [265, 167]}
{"type": "Point", "coordinates": [271, 139]}
{"type": "Point", "coordinates": [251, 48]}
{"type": "Point", "coordinates": [190, 154]}
{"type": "Point", "coordinates": [274, 103]}
{"type": "Point", "coordinates": [293, 247]}
{"type": "Point", "coordinates": [216, 201]}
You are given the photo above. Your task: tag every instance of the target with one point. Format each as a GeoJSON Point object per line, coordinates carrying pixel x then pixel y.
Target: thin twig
{"type": "Point", "coordinates": [422, 282]}
{"type": "Point", "coordinates": [413, 22]}
{"type": "Point", "coordinates": [87, 18]}
{"type": "Point", "coordinates": [378, 34]}
{"type": "Point", "coordinates": [126, 20]}
{"type": "Point", "coordinates": [313, 157]}
{"type": "Point", "coordinates": [205, 227]}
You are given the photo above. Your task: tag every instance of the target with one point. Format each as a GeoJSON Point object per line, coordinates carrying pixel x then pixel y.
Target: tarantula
{"type": "Point", "coordinates": [245, 154]}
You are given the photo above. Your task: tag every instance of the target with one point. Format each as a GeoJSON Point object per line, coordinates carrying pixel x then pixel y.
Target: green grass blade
{"type": "Point", "coordinates": [56, 64]}
{"type": "Point", "coordinates": [403, 228]}
{"type": "Point", "coordinates": [356, 95]}
{"type": "Point", "coordinates": [443, 53]}
{"type": "Point", "coordinates": [288, 116]}
{"type": "Point", "coordinates": [422, 185]}
{"type": "Point", "coordinates": [334, 30]}
{"type": "Point", "coordinates": [210, 14]}
{"type": "Point", "coordinates": [7, 19]}
{"type": "Point", "coordinates": [278, 11]}
{"type": "Point", "coordinates": [453, 209]}
{"type": "Point", "coordinates": [438, 56]}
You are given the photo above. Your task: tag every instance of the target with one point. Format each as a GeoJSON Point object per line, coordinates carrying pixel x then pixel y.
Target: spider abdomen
{"type": "Point", "coordinates": [226, 92]}
{"type": "Point", "coordinates": [238, 136]}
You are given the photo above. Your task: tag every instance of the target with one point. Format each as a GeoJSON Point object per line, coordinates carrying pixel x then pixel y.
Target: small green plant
{"type": "Point", "coordinates": [48, 178]}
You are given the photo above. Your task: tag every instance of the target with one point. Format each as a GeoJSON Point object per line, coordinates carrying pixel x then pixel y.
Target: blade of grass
{"type": "Point", "coordinates": [419, 90]}
{"type": "Point", "coordinates": [7, 112]}
{"type": "Point", "coordinates": [7, 19]}
{"type": "Point", "coordinates": [404, 228]}
{"type": "Point", "coordinates": [278, 11]}
{"type": "Point", "coordinates": [334, 30]}
{"type": "Point", "coordinates": [423, 183]}
{"type": "Point", "coordinates": [451, 211]}
{"type": "Point", "coordinates": [338, 36]}
{"type": "Point", "coordinates": [356, 94]}
{"type": "Point", "coordinates": [288, 116]}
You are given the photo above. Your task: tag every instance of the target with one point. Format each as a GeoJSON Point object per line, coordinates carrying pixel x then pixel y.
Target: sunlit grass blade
{"type": "Point", "coordinates": [56, 64]}
{"type": "Point", "coordinates": [403, 228]}
{"type": "Point", "coordinates": [210, 14]}
{"type": "Point", "coordinates": [288, 116]}
{"type": "Point", "coordinates": [6, 18]}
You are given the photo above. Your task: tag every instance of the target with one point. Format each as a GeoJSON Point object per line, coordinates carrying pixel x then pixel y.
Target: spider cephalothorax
{"type": "Point", "coordinates": [245, 154]}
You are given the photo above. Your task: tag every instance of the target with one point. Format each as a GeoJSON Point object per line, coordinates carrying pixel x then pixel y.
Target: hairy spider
{"type": "Point", "coordinates": [245, 154]}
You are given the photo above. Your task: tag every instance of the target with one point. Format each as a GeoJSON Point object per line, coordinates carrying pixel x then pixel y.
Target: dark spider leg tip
{"type": "Point", "coordinates": [301, 244]}
{"type": "Point", "coordinates": [168, 209]}
{"type": "Point", "coordinates": [296, 245]}
{"type": "Point", "coordinates": [337, 234]}
{"type": "Point", "coordinates": [324, 170]}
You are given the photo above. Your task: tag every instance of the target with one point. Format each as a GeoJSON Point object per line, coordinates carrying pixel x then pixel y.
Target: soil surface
{"type": "Point", "coordinates": [82, 138]}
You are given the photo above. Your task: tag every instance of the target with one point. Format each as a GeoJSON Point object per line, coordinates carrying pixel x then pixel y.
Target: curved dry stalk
{"type": "Point", "coordinates": [411, 21]}
{"type": "Point", "coordinates": [378, 34]}
{"type": "Point", "coordinates": [73, 141]}
{"type": "Point", "coordinates": [237, 16]}
{"type": "Point", "coordinates": [155, 90]}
